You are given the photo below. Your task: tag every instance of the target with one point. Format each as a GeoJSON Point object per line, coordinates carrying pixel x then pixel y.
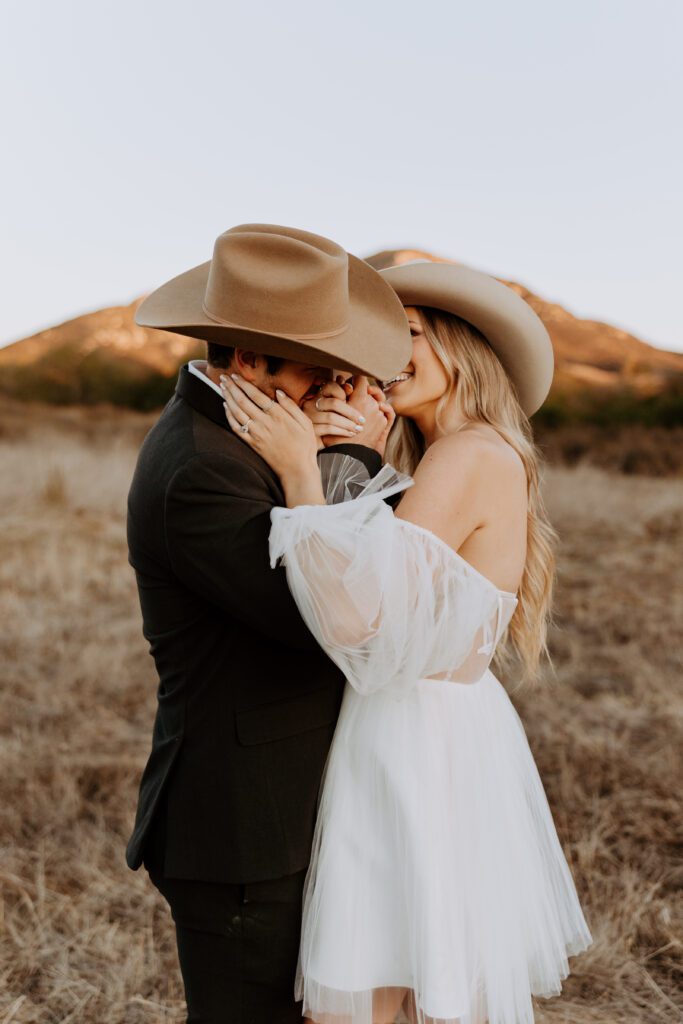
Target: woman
{"type": "Point", "coordinates": [437, 890]}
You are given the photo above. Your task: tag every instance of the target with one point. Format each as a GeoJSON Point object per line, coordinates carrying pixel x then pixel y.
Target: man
{"type": "Point", "coordinates": [247, 701]}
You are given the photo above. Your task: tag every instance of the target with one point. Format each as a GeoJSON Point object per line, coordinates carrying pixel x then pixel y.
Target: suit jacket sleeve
{"type": "Point", "coordinates": [371, 459]}
{"type": "Point", "coordinates": [217, 524]}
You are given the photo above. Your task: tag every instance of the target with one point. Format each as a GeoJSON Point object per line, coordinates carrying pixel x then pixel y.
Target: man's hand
{"type": "Point", "coordinates": [333, 419]}
{"type": "Point", "coordinates": [378, 414]}
{"type": "Point", "coordinates": [361, 403]}
{"type": "Point", "coordinates": [389, 416]}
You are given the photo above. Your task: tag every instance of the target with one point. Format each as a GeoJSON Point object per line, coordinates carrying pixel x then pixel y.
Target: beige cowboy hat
{"type": "Point", "coordinates": [289, 293]}
{"type": "Point", "coordinates": [514, 332]}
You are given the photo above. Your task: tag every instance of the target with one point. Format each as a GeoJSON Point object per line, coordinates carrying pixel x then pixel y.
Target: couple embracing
{"type": "Point", "coordinates": [334, 525]}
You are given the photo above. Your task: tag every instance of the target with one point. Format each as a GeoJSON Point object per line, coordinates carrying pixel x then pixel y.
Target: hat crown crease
{"type": "Point", "coordinates": [272, 282]}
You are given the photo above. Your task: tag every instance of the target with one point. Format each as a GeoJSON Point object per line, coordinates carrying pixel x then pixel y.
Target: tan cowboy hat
{"type": "Point", "coordinates": [514, 332]}
{"type": "Point", "coordinates": [284, 292]}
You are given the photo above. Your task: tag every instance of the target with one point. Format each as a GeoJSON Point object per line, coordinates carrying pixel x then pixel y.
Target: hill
{"type": "Point", "coordinates": [602, 372]}
{"type": "Point", "coordinates": [98, 357]}
{"type": "Point", "coordinates": [589, 355]}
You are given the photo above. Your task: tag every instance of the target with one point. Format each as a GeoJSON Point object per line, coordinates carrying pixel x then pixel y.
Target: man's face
{"type": "Point", "coordinates": [300, 381]}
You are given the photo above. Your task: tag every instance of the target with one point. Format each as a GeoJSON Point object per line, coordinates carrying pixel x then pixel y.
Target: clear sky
{"type": "Point", "coordinates": [538, 140]}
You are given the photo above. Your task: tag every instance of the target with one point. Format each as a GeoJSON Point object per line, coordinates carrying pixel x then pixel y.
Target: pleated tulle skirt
{"type": "Point", "coordinates": [437, 889]}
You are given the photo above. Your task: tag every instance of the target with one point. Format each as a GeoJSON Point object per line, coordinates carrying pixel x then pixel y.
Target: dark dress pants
{"type": "Point", "coordinates": [237, 945]}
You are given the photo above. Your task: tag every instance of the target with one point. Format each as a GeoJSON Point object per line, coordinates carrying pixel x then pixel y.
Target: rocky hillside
{"type": "Point", "coordinates": [105, 356]}
{"type": "Point", "coordinates": [98, 357]}
{"type": "Point", "coordinates": [588, 354]}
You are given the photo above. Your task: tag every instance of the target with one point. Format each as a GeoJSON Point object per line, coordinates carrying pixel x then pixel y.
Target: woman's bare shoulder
{"type": "Point", "coordinates": [476, 448]}
{"type": "Point", "coordinates": [459, 479]}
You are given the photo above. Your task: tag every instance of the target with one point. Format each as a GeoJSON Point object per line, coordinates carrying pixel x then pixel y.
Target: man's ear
{"type": "Point", "coordinates": [249, 365]}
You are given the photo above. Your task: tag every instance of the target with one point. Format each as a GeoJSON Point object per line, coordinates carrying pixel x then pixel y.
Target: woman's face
{"type": "Point", "coordinates": [424, 379]}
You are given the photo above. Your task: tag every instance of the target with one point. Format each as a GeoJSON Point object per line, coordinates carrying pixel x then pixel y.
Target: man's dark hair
{"type": "Point", "coordinates": [221, 356]}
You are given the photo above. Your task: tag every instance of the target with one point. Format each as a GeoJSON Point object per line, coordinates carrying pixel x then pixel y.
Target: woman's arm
{"type": "Point", "coordinates": [389, 603]}
{"type": "Point", "coordinates": [280, 433]}
{"type": "Point", "coordinates": [446, 498]}
{"type": "Point", "coordinates": [285, 437]}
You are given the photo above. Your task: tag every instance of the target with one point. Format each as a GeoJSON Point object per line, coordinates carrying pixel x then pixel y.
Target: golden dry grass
{"type": "Point", "coordinates": [83, 939]}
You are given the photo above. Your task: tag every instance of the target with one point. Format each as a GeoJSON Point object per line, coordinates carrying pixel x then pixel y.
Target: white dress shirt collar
{"type": "Point", "coordinates": [194, 366]}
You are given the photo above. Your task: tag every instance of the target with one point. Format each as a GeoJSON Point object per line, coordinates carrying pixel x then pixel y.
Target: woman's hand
{"type": "Point", "coordinates": [280, 433]}
{"type": "Point", "coordinates": [359, 408]}
{"type": "Point", "coordinates": [333, 419]}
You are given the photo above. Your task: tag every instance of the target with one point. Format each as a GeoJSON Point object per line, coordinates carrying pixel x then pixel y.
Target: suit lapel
{"type": "Point", "coordinates": [205, 401]}
{"type": "Point", "coordinates": [201, 397]}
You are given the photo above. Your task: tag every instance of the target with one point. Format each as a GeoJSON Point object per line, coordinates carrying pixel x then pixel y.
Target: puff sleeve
{"type": "Point", "coordinates": [388, 600]}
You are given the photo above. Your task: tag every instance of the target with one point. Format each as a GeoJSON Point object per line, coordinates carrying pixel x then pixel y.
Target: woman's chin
{"type": "Point", "coordinates": [399, 405]}
{"type": "Point", "coordinates": [400, 401]}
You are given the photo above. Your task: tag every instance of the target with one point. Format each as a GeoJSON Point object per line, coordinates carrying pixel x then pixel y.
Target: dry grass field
{"type": "Point", "coordinates": [85, 940]}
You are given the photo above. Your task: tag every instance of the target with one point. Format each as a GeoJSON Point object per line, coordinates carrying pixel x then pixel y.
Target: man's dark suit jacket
{"type": "Point", "coordinates": [247, 701]}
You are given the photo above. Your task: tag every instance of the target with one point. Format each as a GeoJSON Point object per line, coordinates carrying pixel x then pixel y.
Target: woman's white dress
{"type": "Point", "coordinates": [436, 871]}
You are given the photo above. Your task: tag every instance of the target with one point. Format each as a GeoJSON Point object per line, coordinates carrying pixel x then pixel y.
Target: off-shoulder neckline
{"type": "Point", "coordinates": [463, 561]}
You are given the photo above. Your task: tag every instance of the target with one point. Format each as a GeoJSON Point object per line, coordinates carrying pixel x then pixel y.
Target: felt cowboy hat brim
{"type": "Point", "coordinates": [288, 293]}
{"type": "Point", "coordinates": [514, 331]}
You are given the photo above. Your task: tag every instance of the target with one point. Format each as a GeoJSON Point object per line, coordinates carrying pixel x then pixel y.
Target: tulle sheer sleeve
{"type": "Point", "coordinates": [389, 601]}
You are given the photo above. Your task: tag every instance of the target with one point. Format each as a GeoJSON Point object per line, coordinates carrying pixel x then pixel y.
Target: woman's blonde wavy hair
{"type": "Point", "coordinates": [482, 392]}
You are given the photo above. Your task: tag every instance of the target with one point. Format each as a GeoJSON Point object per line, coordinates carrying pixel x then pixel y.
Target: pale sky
{"type": "Point", "coordinates": [537, 140]}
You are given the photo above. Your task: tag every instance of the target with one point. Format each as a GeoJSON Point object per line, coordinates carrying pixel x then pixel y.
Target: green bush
{"type": "Point", "coordinates": [607, 409]}
{"type": "Point", "coordinates": [89, 381]}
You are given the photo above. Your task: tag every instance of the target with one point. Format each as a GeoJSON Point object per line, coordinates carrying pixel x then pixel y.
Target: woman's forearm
{"type": "Point", "coordinates": [303, 486]}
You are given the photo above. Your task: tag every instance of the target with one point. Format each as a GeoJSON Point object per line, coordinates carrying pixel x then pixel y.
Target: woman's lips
{"type": "Point", "coordinates": [400, 378]}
